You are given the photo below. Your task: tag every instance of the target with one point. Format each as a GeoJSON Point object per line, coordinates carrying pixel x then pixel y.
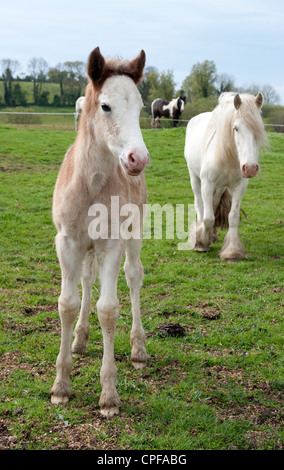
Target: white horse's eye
{"type": "Point", "coordinates": [105, 108]}
{"type": "Point", "coordinates": [235, 128]}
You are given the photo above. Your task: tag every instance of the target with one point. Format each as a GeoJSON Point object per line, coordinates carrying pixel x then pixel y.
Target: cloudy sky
{"type": "Point", "coordinates": [244, 38]}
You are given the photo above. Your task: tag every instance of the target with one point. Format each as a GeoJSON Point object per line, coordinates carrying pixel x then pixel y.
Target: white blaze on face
{"type": "Point", "coordinates": [119, 111]}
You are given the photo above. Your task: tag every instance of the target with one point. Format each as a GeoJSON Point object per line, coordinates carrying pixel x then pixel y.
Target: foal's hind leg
{"type": "Point", "coordinates": [70, 258]}
{"type": "Point", "coordinates": [134, 276]}
{"type": "Point", "coordinates": [87, 279]}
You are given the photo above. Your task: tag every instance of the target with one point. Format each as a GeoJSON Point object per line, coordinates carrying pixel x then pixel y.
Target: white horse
{"type": "Point", "coordinates": [106, 160]}
{"type": "Point", "coordinates": [78, 109]}
{"type": "Point", "coordinates": [221, 150]}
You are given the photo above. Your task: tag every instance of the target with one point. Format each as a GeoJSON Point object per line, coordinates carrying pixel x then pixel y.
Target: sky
{"type": "Point", "coordinates": [244, 38]}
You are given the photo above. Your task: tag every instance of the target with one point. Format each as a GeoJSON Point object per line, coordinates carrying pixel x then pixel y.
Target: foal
{"type": "Point", "coordinates": [107, 159]}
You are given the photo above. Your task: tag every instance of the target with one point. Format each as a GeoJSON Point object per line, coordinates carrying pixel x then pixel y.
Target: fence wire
{"type": "Point", "coordinates": [43, 119]}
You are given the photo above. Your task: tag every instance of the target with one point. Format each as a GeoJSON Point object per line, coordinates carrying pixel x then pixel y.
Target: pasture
{"type": "Point", "coordinates": [214, 380]}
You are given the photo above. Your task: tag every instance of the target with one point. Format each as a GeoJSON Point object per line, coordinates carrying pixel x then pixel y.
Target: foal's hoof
{"type": "Point", "coordinates": [109, 412]}
{"type": "Point", "coordinates": [78, 349]}
{"type": "Point", "coordinates": [201, 248]}
{"type": "Point", "coordinates": [58, 400]}
{"type": "Point", "coordinates": [139, 365]}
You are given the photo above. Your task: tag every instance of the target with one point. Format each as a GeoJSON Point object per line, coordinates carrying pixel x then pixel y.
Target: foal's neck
{"type": "Point", "coordinates": [95, 163]}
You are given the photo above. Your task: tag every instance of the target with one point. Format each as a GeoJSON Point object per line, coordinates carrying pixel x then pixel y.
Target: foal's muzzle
{"type": "Point", "coordinates": [135, 162]}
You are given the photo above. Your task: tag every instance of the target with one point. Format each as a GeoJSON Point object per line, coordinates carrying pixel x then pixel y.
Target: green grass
{"type": "Point", "coordinates": [40, 117]}
{"type": "Point", "coordinates": [218, 387]}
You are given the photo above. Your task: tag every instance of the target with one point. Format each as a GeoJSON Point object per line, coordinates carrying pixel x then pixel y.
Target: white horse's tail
{"type": "Point", "coordinates": [223, 209]}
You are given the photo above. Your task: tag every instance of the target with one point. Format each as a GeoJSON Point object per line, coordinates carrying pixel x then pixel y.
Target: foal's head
{"type": "Point", "coordinates": [112, 108]}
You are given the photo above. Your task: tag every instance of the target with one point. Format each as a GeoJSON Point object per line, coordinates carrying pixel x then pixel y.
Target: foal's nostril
{"type": "Point", "coordinates": [131, 158]}
{"type": "Point", "coordinates": [136, 161]}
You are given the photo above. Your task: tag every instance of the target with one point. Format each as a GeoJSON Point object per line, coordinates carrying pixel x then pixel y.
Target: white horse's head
{"type": "Point", "coordinates": [117, 109]}
{"type": "Point", "coordinates": [249, 132]}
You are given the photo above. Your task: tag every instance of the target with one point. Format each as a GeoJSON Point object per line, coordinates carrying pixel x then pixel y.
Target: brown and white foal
{"type": "Point", "coordinates": [107, 159]}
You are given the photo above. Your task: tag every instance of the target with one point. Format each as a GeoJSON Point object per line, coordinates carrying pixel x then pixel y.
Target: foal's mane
{"type": "Point", "coordinates": [221, 125]}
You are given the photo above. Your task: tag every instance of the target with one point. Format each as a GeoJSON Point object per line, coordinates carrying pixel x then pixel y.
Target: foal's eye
{"type": "Point", "coordinates": [105, 108]}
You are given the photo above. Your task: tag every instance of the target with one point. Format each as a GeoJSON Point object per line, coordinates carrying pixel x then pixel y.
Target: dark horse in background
{"type": "Point", "coordinates": [169, 109]}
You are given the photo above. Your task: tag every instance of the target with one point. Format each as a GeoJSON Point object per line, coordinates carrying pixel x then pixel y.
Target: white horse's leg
{"type": "Point", "coordinates": [196, 188]}
{"type": "Point", "coordinates": [87, 279]}
{"type": "Point", "coordinates": [205, 229]}
{"type": "Point", "coordinates": [198, 203]}
{"type": "Point", "coordinates": [134, 275]}
{"type": "Point", "coordinates": [218, 193]}
{"type": "Point", "coordinates": [232, 248]}
{"type": "Point", "coordinates": [70, 257]}
{"type": "Point", "coordinates": [109, 261]}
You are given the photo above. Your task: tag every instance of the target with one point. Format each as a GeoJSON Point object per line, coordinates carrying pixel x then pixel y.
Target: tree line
{"type": "Point", "coordinates": [70, 76]}
{"type": "Point", "coordinates": [202, 83]}
{"type": "Point", "coordinates": [201, 87]}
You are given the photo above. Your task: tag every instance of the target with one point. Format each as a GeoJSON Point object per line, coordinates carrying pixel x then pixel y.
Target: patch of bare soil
{"type": "Point", "coordinates": [168, 329]}
{"type": "Point", "coordinates": [211, 312]}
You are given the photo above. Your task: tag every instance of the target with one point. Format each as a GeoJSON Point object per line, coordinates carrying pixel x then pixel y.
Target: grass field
{"type": "Point", "coordinates": [217, 386]}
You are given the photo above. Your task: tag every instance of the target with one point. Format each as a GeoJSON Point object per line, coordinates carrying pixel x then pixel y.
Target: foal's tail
{"type": "Point", "coordinates": [223, 209]}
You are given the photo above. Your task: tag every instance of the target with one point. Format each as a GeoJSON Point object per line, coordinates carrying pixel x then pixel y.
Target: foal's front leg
{"type": "Point", "coordinates": [109, 256]}
{"type": "Point", "coordinates": [134, 275]}
{"type": "Point", "coordinates": [70, 258]}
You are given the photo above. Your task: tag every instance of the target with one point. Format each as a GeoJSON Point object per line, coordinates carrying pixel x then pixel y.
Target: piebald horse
{"type": "Point", "coordinates": [222, 149]}
{"type": "Point", "coordinates": [107, 159]}
{"type": "Point", "coordinates": [169, 109]}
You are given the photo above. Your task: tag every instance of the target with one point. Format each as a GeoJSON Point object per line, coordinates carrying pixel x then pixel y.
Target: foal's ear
{"type": "Point", "coordinates": [96, 65]}
{"type": "Point", "coordinates": [259, 100]}
{"type": "Point", "coordinates": [237, 101]}
{"type": "Point", "coordinates": [136, 67]}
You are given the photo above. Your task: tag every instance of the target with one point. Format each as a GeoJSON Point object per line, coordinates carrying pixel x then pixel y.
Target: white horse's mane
{"type": "Point", "coordinates": [221, 124]}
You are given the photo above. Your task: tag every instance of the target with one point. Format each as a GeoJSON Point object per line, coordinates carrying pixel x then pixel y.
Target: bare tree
{"type": "Point", "coordinates": [76, 79]}
{"type": "Point", "coordinates": [269, 93]}
{"type": "Point", "coordinates": [38, 68]}
{"type": "Point", "coordinates": [225, 83]}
